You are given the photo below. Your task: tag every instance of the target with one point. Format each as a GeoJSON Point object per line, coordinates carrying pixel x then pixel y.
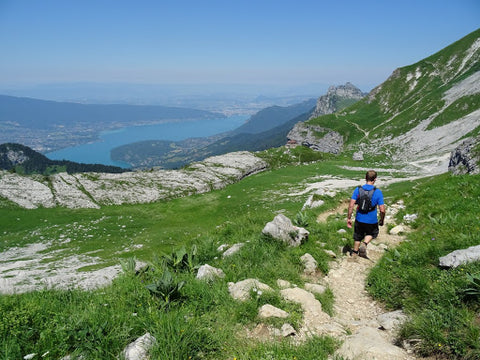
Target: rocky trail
{"type": "Point", "coordinates": [372, 327]}
{"type": "Point", "coordinates": [367, 330]}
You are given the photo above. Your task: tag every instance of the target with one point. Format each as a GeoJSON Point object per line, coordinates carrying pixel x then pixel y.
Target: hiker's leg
{"type": "Point", "coordinates": [356, 245]}
{"type": "Point", "coordinates": [367, 239]}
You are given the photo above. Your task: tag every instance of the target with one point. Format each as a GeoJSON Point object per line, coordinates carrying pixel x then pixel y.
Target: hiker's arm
{"type": "Point", "coordinates": [350, 212]}
{"type": "Point", "coordinates": [382, 214]}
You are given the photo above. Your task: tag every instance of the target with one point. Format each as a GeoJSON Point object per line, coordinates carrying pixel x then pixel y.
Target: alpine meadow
{"type": "Point", "coordinates": [177, 264]}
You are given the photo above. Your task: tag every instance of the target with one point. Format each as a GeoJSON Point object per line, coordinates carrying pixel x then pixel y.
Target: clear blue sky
{"type": "Point", "coordinates": [221, 41]}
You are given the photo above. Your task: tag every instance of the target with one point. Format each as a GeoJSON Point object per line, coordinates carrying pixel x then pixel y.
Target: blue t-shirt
{"type": "Point", "coordinates": [377, 199]}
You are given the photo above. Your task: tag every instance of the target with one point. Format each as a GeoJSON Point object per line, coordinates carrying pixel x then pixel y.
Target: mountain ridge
{"type": "Point", "coordinates": [421, 110]}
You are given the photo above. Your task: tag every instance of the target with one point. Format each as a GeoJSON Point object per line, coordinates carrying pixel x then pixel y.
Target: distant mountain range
{"type": "Point", "coordinates": [266, 129]}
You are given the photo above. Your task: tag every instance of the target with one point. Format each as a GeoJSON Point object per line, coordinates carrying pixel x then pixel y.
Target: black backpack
{"type": "Point", "coordinates": [364, 200]}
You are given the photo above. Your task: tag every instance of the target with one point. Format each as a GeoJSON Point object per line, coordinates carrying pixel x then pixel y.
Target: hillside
{"type": "Point", "coordinates": [422, 110]}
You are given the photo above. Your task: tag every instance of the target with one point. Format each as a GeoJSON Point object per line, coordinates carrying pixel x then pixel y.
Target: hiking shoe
{"type": "Point", "coordinates": [362, 252]}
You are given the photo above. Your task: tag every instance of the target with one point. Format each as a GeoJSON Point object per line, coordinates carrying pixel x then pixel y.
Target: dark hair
{"type": "Point", "coordinates": [371, 175]}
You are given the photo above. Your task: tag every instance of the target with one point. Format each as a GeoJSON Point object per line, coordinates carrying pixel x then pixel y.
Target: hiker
{"type": "Point", "coordinates": [367, 197]}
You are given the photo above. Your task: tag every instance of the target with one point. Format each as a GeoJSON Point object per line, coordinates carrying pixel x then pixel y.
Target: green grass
{"type": "Point", "coordinates": [201, 320]}
{"type": "Point", "coordinates": [444, 314]}
{"type": "Point", "coordinates": [204, 322]}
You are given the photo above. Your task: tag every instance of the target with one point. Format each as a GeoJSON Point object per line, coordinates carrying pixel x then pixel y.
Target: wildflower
{"type": "Point", "coordinates": [29, 356]}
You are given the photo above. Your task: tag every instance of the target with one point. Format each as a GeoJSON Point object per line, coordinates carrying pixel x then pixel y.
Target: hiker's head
{"type": "Point", "coordinates": [371, 175]}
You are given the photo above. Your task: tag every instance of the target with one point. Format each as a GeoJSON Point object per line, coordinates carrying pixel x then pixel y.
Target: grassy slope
{"type": "Point", "coordinates": [398, 105]}
{"type": "Point", "coordinates": [101, 323]}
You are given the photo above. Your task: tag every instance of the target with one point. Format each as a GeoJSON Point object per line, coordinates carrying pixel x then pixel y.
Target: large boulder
{"type": "Point", "coordinates": [283, 229]}
{"type": "Point", "coordinates": [460, 257]}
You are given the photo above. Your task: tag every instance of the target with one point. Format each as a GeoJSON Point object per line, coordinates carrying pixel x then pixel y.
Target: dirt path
{"type": "Point", "coordinates": [354, 309]}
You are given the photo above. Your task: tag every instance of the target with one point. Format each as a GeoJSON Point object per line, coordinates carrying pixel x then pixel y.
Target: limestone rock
{"type": "Point", "coordinates": [315, 288]}
{"type": "Point", "coordinates": [460, 257]}
{"type": "Point", "coordinates": [241, 290]}
{"type": "Point", "coordinates": [358, 156]}
{"type": "Point", "coordinates": [392, 320]}
{"type": "Point", "coordinates": [288, 330]}
{"type": "Point", "coordinates": [399, 229]}
{"type": "Point", "coordinates": [317, 138]}
{"type": "Point", "coordinates": [330, 253]}
{"type": "Point", "coordinates": [268, 311]}
{"type": "Point", "coordinates": [138, 350]}
{"type": "Point", "coordinates": [207, 272]}
{"type": "Point", "coordinates": [232, 250]}
{"type": "Point", "coordinates": [369, 344]}
{"type": "Point", "coordinates": [312, 204]}
{"type": "Point", "coordinates": [329, 103]}
{"type": "Point", "coordinates": [309, 263]}
{"type": "Point", "coordinates": [283, 284]}
{"type": "Point", "coordinates": [315, 320]}
{"type": "Point", "coordinates": [282, 228]}
{"type": "Point", "coordinates": [92, 190]}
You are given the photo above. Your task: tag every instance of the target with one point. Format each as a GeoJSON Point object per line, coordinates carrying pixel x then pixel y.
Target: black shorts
{"type": "Point", "coordinates": [361, 230]}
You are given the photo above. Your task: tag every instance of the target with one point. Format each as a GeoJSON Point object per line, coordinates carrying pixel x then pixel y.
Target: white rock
{"type": "Point", "coordinates": [288, 330]}
{"type": "Point", "coordinates": [207, 272]}
{"type": "Point", "coordinates": [309, 263]}
{"type": "Point", "coordinates": [315, 288]}
{"type": "Point", "coordinates": [241, 290]}
{"type": "Point", "coordinates": [138, 350]}
{"type": "Point", "coordinates": [232, 250]}
{"type": "Point", "coordinates": [268, 311]}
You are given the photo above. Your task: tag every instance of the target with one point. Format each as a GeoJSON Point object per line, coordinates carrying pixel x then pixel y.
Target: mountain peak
{"type": "Point", "coordinates": [337, 98]}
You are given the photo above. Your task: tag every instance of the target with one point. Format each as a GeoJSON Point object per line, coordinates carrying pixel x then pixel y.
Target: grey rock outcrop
{"type": "Point", "coordinates": [465, 159]}
{"type": "Point", "coordinates": [332, 101]}
{"type": "Point", "coordinates": [138, 350]}
{"type": "Point", "coordinates": [207, 272]}
{"type": "Point", "coordinates": [232, 250]}
{"type": "Point", "coordinates": [309, 263]}
{"type": "Point", "coordinates": [358, 156]}
{"type": "Point", "coordinates": [241, 290]}
{"type": "Point", "coordinates": [268, 311]}
{"type": "Point", "coordinates": [281, 228]}
{"type": "Point", "coordinates": [369, 343]}
{"type": "Point", "coordinates": [316, 137]}
{"type": "Point", "coordinates": [392, 320]}
{"type": "Point", "coordinates": [460, 257]}
{"type": "Point", "coordinates": [93, 190]}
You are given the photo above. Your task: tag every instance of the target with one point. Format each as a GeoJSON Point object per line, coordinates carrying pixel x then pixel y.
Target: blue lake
{"type": "Point", "coordinates": [99, 152]}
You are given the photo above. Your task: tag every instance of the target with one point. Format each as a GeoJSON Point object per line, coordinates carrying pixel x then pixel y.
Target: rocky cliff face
{"type": "Point", "coordinates": [465, 159]}
{"type": "Point", "coordinates": [336, 98]}
{"type": "Point", "coordinates": [316, 137]}
{"type": "Point", "coordinates": [92, 190]}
